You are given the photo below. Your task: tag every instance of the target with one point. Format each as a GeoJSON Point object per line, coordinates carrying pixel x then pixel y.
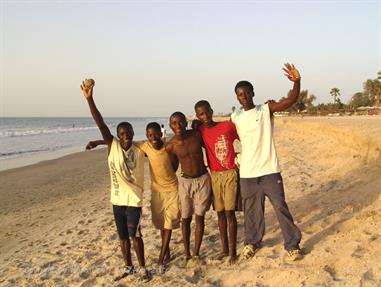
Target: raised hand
{"type": "Point", "coordinates": [87, 87]}
{"type": "Point", "coordinates": [291, 72]}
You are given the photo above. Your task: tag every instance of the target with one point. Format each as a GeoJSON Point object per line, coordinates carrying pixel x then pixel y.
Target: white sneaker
{"type": "Point", "coordinates": [294, 254]}
{"type": "Point", "coordinates": [248, 251]}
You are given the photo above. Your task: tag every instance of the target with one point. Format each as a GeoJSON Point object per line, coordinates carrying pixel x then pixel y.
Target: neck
{"type": "Point", "coordinates": [249, 107]}
{"type": "Point", "coordinates": [210, 124]}
{"type": "Point", "coordinates": [182, 135]}
{"type": "Point", "coordinates": [159, 146]}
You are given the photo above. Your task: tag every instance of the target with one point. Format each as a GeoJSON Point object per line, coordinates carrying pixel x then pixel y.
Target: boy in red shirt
{"type": "Point", "coordinates": [218, 138]}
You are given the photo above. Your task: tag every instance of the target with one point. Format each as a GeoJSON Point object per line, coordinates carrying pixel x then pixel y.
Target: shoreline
{"type": "Point", "coordinates": [31, 159]}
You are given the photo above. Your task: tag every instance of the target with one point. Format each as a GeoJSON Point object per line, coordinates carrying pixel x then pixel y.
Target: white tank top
{"type": "Point", "coordinates": [255, 129]}
{"type": "Point", "coordinates": [127, 175]}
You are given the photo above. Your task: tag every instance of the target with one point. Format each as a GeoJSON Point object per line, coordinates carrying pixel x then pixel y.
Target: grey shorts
{"type": "Point", "coordinates": [195, 195]}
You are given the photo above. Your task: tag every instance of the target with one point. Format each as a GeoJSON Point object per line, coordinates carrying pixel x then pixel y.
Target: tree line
{"type": "Point", "coordinates": [369, 97]}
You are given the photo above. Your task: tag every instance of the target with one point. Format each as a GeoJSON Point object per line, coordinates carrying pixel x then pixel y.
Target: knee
{"type": "Point", "coordinates": [230, 215]}
{"type": "Point", "coordinates": [221, 215]}
{"type": "Point", "coordinates": [199, 219]}
{"type": "Point", "coordinates": [186, 221]}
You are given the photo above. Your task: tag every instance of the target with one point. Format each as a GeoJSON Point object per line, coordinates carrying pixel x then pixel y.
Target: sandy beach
{"type": "Point", "coordinates": [57, 226]}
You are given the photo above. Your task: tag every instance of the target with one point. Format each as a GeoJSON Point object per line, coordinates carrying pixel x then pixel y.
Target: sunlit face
{"type": "Point", "coordinates": [205, 115]}
{"type": "Point", "coordinates": [178, 125]}
{"type": "Point", "coordinates": [154, 137]}
{"type": "Point", "coordinates": [125, 135]}
{"type": "Point", "coordinates": [245, 97]}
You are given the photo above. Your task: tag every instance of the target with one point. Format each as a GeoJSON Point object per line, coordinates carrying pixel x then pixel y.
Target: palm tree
{"type": "Point", "coordinates": [372, 88]}
{"type": "Point", "coordinates": [335, 92]}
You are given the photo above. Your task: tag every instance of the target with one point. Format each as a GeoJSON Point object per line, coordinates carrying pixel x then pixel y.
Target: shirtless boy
{"type": "Point", "coordinates": [194, 181]}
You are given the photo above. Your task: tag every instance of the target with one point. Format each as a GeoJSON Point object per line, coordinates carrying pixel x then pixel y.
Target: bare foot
{"type": "Point", "coordinates": [232, 259]}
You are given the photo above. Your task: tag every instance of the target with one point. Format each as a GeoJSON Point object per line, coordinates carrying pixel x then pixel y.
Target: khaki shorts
{"type": "Point", "coordinates": [195, 195]}
{"type": "Point", "coordinates": [165, 210]}
{"type": "Point", "coordinates": [224, 186]}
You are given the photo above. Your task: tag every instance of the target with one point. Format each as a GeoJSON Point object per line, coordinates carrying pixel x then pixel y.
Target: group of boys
{"type": "Point", "coordinates": [175, 199]}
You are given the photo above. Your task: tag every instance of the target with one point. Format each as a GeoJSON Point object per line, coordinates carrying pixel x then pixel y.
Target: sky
{"type": "Point", "coordinates": [152, 58]}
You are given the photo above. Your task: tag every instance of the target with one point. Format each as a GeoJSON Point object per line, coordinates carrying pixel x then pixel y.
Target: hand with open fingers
{"type": "Point", "coordinates": [87, 87]}
{"type": "Point", "coordinates": [291, 72]}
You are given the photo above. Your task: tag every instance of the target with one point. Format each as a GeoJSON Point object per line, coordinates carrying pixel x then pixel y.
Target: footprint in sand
{"type": "Point", "coordinates": [331, 271]}
{"type": "Point", "coordinates": [359, 252]}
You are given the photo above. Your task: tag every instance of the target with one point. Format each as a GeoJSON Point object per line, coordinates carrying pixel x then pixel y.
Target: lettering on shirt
{"type": "Point", "coordinates": [115, 182]}
{"type": "Point", "coordinates": [221, 150]}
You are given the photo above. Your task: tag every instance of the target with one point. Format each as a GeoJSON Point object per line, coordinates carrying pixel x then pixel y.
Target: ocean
{"type": "Point", "coordinates": [25, 141]}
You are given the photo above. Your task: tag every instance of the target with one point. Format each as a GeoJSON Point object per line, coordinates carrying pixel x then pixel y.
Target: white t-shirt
{"type": "Point", "coordinates": [127, 175]}
{"type": "Point", "coordinates": [255, 129]}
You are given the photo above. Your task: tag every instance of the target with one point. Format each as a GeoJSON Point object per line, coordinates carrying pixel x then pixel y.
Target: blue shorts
{"type": "Point", "coordinates": [127, 220]}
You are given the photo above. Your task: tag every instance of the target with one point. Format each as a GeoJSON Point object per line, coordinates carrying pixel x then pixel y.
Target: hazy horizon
{"type": "Point", "coordinates": [154, 58]}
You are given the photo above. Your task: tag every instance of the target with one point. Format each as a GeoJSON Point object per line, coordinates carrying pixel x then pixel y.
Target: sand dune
{"type": "Point", "coordinates": [57, 227]}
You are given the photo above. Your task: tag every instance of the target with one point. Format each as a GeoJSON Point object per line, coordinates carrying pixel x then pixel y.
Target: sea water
{"type": "Point", "coordinates": [25, 141]}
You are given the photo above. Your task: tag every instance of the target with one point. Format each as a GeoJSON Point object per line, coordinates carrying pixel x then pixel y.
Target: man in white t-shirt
{"type": "Point", "coordinates": [259, 169]}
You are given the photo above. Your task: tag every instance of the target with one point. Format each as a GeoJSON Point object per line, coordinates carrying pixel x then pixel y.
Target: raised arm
{"type": "Point", "coordinates": [87, 90]}
{"type": "Point", "coordinates": [293, 75]}
{"type": "Point", "coordinates": [94, 144]}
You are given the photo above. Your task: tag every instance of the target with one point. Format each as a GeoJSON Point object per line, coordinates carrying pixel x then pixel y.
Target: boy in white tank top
{"type": "Point", "coordinates": [126, 172]}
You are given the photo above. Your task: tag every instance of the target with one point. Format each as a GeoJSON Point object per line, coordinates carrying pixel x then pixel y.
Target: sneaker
{"type": "Point", "coordinates": [248, 251]}
{"type": "Point", "coordinates": [293, 255]}
{"type": "Point", "coordinates": [144, 275]}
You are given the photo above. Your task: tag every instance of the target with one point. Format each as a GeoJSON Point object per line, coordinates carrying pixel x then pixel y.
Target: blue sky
{"type": "Point", "coordinates": [151, 58]}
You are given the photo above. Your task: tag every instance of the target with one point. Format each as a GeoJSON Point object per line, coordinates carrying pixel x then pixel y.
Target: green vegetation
{"type": "Point", "coordinates": [369, 97]}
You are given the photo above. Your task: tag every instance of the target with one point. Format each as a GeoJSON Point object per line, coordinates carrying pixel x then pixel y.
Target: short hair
{"type": "Point", "coordinates": [202, 103]}
{"type": "Point", "coordinates": [153, 125]}
{"type": "Point", "coordinates": [124, 124]}
{"type": "Point", "coordinates": [178, 114]}
{"type": "Point", "coordinates": [245, 84]}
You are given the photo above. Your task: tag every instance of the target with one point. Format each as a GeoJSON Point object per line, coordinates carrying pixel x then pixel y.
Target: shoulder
{"type": "Point", "coordinates": [139, 144]}
{"type": "Point", "coordinates": [169, 146]}
{"type": "Point", "coordinates": [262, 108]}
{"type": "Point", "coordinates": [194, 134]}
{"type": "Point", "coordinates": [115, 142]}
{"type": "Point", "coordinates": [228, 125]}
{"type": "Point", "coordinates": [137, 149]}
{"type": "Point", "coordinates": [236, 115]}
{"type": "Point", "coordinates": [143, 145]}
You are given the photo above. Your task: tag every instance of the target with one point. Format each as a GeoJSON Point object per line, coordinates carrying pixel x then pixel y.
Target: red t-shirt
{"type": "Point", "coordinates": [218, 141]}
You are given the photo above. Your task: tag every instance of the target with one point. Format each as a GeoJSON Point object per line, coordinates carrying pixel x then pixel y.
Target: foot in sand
{"type": "Point", "coordinates": [293, 255]}
{"type": "Point", "coordinates": [127, 270]}
{"type": "Point", "coordinates": [249, 251]}
{"type": "Point", "coordinates": [194, 262]}
{"type": "Point", "coordinates": [144, 275]}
